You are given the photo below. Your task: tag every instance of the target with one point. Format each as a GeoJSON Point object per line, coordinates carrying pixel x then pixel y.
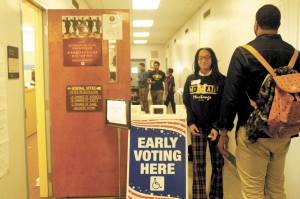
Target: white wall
{"type": "Point", "coordinates": [144, 52]}
{"type": "Point", "coordinates": [230, 25]}
{"type": "Point", "coordinates": [180, 54]}
{"type": "Point", "coordinates": [292, 171]}
{"type": "Point", "coordinates": [60, 4]}
{"type": "Point", "coordinates": [14, 184]}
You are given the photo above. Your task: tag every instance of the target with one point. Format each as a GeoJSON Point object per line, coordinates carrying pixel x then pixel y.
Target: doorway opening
{"type": "Point", "coordinates": [134, 67]}
{"type": "Point", "coordinates": [32, 29]}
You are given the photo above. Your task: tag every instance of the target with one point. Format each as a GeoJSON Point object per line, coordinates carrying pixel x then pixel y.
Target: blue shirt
{"type": "Point", "coordinates": [143, 75]}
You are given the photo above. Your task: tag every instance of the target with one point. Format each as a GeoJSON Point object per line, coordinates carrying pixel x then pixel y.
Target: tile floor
{"type": "Point", "coordinates": [231, 180]}
{"type": "Point", "coordinates": [32, 165]}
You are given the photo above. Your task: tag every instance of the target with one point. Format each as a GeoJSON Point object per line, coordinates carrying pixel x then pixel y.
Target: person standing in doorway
{"type": "Point", "coordinates": [156, 79]}
{"type": "Point", "coordinates": [170, 90]}
{"type": "Point", "coordinates": [143, 87]}
{"type": "Point", "coordinates": [202, 98]}
{"type": "Point", "coordinates": [260, 165]}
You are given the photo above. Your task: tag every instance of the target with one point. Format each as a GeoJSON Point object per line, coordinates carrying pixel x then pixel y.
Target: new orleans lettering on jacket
{"type": "Point", "coordinates": [202, 97]}
{"type": "Point", "coordinates": [203, 92]}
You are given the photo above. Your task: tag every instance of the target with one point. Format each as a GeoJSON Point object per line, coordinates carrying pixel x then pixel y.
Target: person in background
{"type": "Point", "coordinates": [143, 87]}
{"type": "Point", "coordinates": [170, 89]}
{"type": "Point", "coordinates": [156, 79]}
{"type": "Point", "coordinates": [202, 98]}
{"type": "Point", "coordinates": [260, 165]}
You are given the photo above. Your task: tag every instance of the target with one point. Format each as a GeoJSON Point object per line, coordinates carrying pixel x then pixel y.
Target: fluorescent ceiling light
{"type": "Point", "coordinates": [145, 4]}
{"type": "Point", "coordinates": [142, 23]}
{"type": "Point", "coordinates": [141, 34]}
{"type": "Point", "coordinates": [140, 41]}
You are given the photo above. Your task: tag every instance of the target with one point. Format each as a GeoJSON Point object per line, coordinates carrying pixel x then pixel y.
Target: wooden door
{"type": "Point", "coordinates": [85, 151]}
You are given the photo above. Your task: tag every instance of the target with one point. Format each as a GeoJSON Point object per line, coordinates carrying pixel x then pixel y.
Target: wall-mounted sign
{"type": "Point", "coordinates": [82, 40]}
{"type": "Point", "coordinates": [157, 167]}
{"type": "Point", "coordinates": [13, 62]}
{"type": "Point", "coordinates": [87, 98]}
{"type": "Point", "coordinates": [112, 27]}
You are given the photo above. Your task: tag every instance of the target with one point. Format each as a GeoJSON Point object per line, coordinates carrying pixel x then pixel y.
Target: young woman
{"type": "Point", "coordinates": [202, 97]}
{"type": "Point", "coordinates": [170, 90]}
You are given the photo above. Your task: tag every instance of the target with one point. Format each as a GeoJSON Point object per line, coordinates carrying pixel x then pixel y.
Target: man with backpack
{"type": "Point", "coordinates": [261, 160]}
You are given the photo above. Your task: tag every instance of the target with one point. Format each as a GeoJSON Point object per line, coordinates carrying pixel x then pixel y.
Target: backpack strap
{"type": "Point", "coordinates": [260, 58]}
{"type": "Point", "coordinates": [293, 59]}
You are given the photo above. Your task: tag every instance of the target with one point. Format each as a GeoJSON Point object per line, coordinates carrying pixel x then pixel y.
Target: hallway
{"type": "Point", "coordinates": [231, 179]}
{"type": "Point", "coordinates": [78, 54]}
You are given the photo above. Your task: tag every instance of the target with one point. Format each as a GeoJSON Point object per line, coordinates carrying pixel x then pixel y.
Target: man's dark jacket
{"type": "Point", "coordinates": [246, 73]}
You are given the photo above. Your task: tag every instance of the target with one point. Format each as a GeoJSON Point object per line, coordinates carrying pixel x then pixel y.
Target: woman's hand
{"type": "Point", "coordinates": [213, 134]}
{"type": "Point", "coordinates": [194, 130]}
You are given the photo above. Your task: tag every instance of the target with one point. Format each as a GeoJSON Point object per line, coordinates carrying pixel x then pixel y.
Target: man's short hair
{"type": "Point", "coordinates": [142, 64]}
{"type": "Point", "coordinates": [156, 62]}
{"type": "Point", "coordinates": [268, 17]}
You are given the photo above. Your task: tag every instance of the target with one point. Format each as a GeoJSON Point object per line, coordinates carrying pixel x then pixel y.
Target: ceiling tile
{"type": "Point", "coordinates": [170, 16]}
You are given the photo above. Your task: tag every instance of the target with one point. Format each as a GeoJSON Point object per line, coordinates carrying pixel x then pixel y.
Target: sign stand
{"type": "Point", "coordinates": [119, 160]}
{"type": "Point", "coordinates": [157, 156]}
{"type": "Point", "coordinates": [119, 163]}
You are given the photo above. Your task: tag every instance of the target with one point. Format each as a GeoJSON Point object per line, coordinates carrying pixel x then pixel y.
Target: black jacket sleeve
{"type": "Point", "coordinates": [191, 118]}
{"type": "Point", "coordinates": [221, 85]}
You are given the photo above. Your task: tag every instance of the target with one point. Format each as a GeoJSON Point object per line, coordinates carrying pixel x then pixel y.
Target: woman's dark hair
{"type": "Point", "coordinates": [214, 64]}
{"type": "Point", "coordinates": [268, 17]}
{"type": "Point", "coordinates": [170, 70]}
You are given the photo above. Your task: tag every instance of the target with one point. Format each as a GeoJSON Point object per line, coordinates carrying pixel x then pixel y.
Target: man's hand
{"type": "Point", "coordinates": [223, 142]}
{"type": "Point", "coordinates": [149, 81]}
{"type": "Point", "coordinates": [213, 134]}
{"type": "Point", "coordinates": [194, 130]}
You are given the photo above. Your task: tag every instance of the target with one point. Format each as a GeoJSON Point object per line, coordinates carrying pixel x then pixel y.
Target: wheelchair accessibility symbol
{"type": "Point", "coordinates": [157, 183]}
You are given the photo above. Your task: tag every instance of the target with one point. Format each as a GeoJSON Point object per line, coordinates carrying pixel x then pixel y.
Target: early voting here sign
{"type": "Point", "coordinates": [157, 158]}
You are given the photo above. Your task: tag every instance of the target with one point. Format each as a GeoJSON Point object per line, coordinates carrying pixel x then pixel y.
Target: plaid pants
{"type": "Point", "coordinates": [199, 167]}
